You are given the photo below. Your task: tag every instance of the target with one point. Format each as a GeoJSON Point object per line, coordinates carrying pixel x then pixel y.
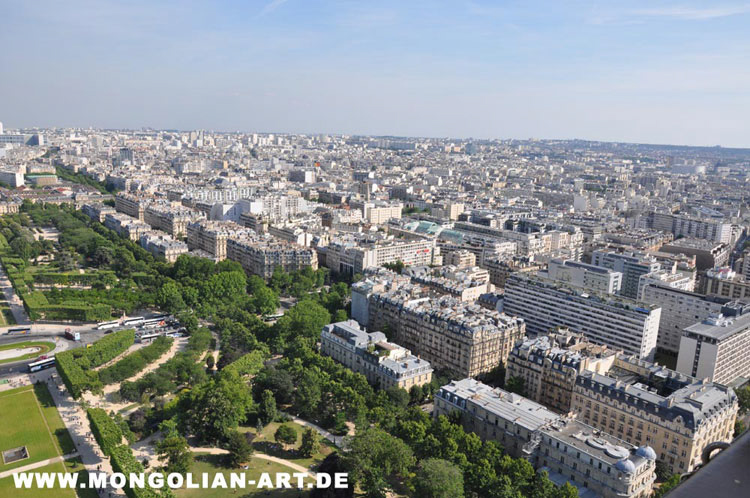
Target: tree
{"type": "Point", "coordinates": [210, 362]}
{"type": "Point", "coordinates": [310, 444]}
{"type": "Point", "coordinates": [374, 456]}
{"type": "Point", "coordinates": [516, 385]}
{"type": "Point", "coordinates": [169, 298]}
{"type": "Point", "coordinates": [285, 435]}
{"type": "Point", "coordinates": [438, 478]}
{"type": "Point", "coordinates": [667, 486]}
{"type": "Point", "coordinates": [416, 394]}
{"type": "Point", "coordinates": [268, 411]}
{"type": "Point", "coordinates": [214, 408]}
{"type": "Point", "coordinates": [265, 300]}
{"type": "Point", "coordinates": [240, 450]}
{"type": "Point", "coordinates": [398, 396]}
{"type": "Point", "coordinates": [743, 396]}
{"type": "Point", "coordinates": [662, 471]}
{"type": "Point", "coordinates": [308, 395]}
{"type": "Point", "coordinates": [175, 450]}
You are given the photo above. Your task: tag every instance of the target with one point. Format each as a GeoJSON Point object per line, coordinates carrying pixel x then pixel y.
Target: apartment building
{"type": "Point", "coordinates": [378, 213]}
{"type": "Point", "coordinates": [125, 226]}
{"type": "Point", "coordinates": [682, 280]}
{"type": "Point", "coordinates": [632, 265]}
{"type": "Point", "coordinates": [687, 226]}
{"type": "Point", "coordinates": [676, 415]}
{"type": "Point", "coordinates": [261, 257]}
{"type": "Point", "coordinates": [619, 323]}
{"type": "Point", "coordinates": [462, 337]}
{"type": "Point", "coordinates": [568, 450]}
{"type": "Point", "coordinates": [132, 205]}
{"type": "Point", "coordinates": [352, 257]}
{"type": "Point", "coordinates": [163, 246]}
{"type": "Point", "coordinates": [550, 364]}
{"type": "Point", "coordinates": [212, 236]}
{"type": "Point", "coordinates": [169, 219]}
{"type": "Point", "coordinates": [97, 211]}
{"type": "Point", "coordinates": [725, 282]}
{"type": "Point", "coordinates": [383, 363]}
{"type": "Point", "coordinates": [594, 278]}
{"type": "Point", "coordinates": [708, 253]}
{"type": "Point", "coordinates": [460, 258]}
{"type": "Point", "coordinates": [679, 310]}
{"type": "Point", "coordinates": [501, 269]}
{"type": "Point", "coordinates": [718, 348]}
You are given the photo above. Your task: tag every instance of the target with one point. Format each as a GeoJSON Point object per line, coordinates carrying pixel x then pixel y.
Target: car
{"type": "Point", "coordinates": [43, 357]}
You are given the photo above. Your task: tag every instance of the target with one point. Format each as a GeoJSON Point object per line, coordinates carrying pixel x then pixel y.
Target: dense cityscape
{"type": "Point", "coordinates": [435, 317]}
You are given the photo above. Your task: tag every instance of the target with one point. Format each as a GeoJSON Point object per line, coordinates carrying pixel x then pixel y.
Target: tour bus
{"type": "Point", "coordinates": [136, 320]}
{"type": "Point", "coordinates": [149, 337]}
{"type": "Point", "coordinates": [108, 325]}
{"type": "Point", "coordinates": [42, 364]}
{"type": "Point", "coordinates": [270, 318]}
{"type": "Point", "coordinates": [19, 331]}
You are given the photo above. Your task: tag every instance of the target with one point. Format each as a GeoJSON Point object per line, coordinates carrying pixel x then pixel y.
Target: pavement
{"type": "Point", "coordinates": [37, 465]}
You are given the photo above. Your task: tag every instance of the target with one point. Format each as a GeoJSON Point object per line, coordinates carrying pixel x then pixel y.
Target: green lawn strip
{"type": "Point", "coordinates": [55, 423]}
{"type": "Point", "coordinates": [75, 465]}
{"type": "Point", "coordinates": [8, 488]}
{"type": "Point", "coordinates": [22, 424]}
{"type": "Point", "coordinates": [213, 464]}
{"type": "Point", "coordinates": [45, 346]}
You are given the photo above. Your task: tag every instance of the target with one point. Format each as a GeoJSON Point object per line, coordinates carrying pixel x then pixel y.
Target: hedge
{"type": "Point", "coordinates": [108, 347]}
{"type": "Point", "coordinates": [136, 361]}
{"type": "Point", "coordinates": [249, 364]}
{"type": "Point", "coordinates": [123, 461]}
{"type": "Point", "coordinates": [72, 374]}
{"type": "Point", "coordinates": [105, 430]}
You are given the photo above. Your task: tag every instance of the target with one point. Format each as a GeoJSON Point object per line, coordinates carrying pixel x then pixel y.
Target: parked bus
{"type": "Point", "coordinates": [108, 325]}
{"type": "Point", "coordinates": [19, 331]}
{"type": "Point", "coordinates": [149, 337]}
{"type": "Point", "coordinates": [42, 364]}
{"type": "Point", "coordinates": [138, 320]}
{"type": "Point", "coordinates": [270, 318]}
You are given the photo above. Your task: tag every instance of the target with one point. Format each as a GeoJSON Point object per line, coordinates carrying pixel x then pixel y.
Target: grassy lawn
{"type": "Point", "coordinates": [54, 421]}
{"type": "Point", "coordinates": [22, 424]}
{"type": "Point", "coordinates": [8, 488]}
{"type": "Point", "coordinates": [6, 316]}
{"type": "Point", "coordinates": [75, 465]}
{"type": "Point", "coordinates": [265, 443]}
{"type": "Point", "coordinates": [212, 464]}
{"type": "Point", "coordinates": [45, 346]}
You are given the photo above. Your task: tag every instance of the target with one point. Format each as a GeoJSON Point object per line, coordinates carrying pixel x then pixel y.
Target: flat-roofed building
{"type": "Point", "coordinates": [725, 282]}
{"type": "Point", "coordinates": [591, 277]}
{"type": "Point", "coordinates": [679, 310]}
{"type": "Point", "coordinates": [632, 265]}
{"type": "Point", "coordinates": [383, 363]}
{"type": "Point", "coordinates": [718, 347]}
{"type": "Point", "coordinates": [708, 253]}
{"type": "Point", "coordinates": [617, 322]}
{"type": "Point", "coordinates": [97, 211]}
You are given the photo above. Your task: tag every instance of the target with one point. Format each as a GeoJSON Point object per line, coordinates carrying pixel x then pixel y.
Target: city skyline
{"type": "Point", "coordinates": [673, 74]}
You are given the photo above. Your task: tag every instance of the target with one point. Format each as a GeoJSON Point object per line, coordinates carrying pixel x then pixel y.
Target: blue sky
{"type": "Point", "coordinates": [646, 71]}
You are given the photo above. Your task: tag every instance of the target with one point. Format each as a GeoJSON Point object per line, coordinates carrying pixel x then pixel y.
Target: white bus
{"type": "Point", "coordinates": [136, 320]}
{"type": "Point", "coordinates": [108, 325]}
{"type": "Point", "coordinates": [42, 364]}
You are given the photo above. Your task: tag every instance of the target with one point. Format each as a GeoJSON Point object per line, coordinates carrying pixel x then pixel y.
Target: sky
{"type": "Point", "coordinates": [632, 71]}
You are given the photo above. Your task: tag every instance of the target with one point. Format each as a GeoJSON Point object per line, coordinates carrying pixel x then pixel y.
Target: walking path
{"type": "Point", "coordinates": [262, 456]}
{"type": "Point", "coordinates": [77, 423]}
{"type": "Point", "coordinates": [336, 440]}
{"type": "Point", "coordinates": [36, 465]}
{"type": "Point", "coordinates": [178, 345]}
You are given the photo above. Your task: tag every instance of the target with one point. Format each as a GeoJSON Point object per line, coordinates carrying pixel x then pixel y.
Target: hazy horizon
{"type": "Point", "coordinates": [673, 74]}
